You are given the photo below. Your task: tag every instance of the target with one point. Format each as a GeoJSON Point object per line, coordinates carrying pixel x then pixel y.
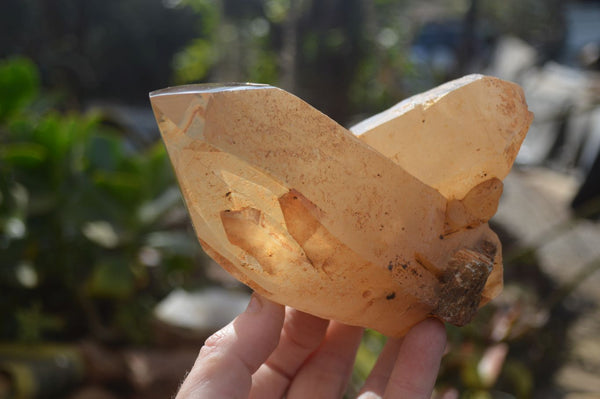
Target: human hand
{"type": "Point", "coordinates": [271, 352]}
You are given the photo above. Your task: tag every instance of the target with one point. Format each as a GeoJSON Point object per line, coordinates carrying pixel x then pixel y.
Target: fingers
{"type": "Point", "coordinates": [326, 373]}
{"type": "Point", "coordinates": [418, 362]}
{"type": "Point", "coordinates": [378, 379]}
{"type": "Point", "coordinates": [320, 367]}
{"type": "Point", "coordinates": [229, 357]}
{"type": "Point", "coordinates": [301, 335]}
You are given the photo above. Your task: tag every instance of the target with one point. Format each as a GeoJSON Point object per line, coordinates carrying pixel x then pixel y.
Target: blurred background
{"type": "Point", "coordinates": [105, 290]}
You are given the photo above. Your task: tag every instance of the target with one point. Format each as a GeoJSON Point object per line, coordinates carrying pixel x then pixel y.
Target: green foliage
{"type": "Point", "coordinates": [265, 69]}
{"type": "Point", "coordinates": [79, 213]}
{"type": "Point", "coordinates": [194, 62]}
{"type": "Point", "coordinates": [95, 48]}
{"type": "Point", "coordinates": [33, 323]}
{"type": "Point", "coordinates": [89, 232]}
{"type": "Point", "coordinates": [277, 10]}
{"type": "Point", "coordinates": [371, 345]}
{"type": "Point", "coordinates": [19, 82]}
{"type": "Point", "coordinates": [208, 11]}
{"type": "Point", "coordinates": [352, 55]}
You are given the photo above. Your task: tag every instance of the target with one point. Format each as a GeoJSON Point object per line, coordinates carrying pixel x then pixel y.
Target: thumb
{"type": "Point", "coordinates": [229, 357]}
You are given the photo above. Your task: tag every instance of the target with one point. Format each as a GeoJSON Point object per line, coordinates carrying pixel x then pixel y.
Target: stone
{"type": "Point", "coordinates": [335, 223]}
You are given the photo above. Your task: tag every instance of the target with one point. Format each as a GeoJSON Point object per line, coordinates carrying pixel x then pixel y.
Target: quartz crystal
{"type": "Point", "coordinates": [379, 226]}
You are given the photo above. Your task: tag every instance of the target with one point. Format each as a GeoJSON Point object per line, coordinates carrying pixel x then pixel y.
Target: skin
{"type": "Point", "coordinates": [270, 351]}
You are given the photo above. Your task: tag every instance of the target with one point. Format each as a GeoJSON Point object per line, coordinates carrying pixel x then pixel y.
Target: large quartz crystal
{"type": "Point", "coordinates": [381, 226]}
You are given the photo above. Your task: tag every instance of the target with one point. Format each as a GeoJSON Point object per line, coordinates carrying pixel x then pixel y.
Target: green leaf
{"type": "Point", "coordinates": [19, 83]}
{"type": "Point", "coordinates": [124, 187]}
{"type": "Point", "coordinates": [33, 323]}
{"type": "Point", "coordinates": [277, 10]}
{"type": "Point", "coordinates": [112, 279]}
{"type": "Point", "coordinates": [194, 62]}
{"type": "Point", "coordinates": [208, 11]}
{"type": "Point", "coordinates": [64, 136]}
{"type": "Point", "coordinates": [104, 152]}
{"type": "Point", "coordinates": [266, 68]}
{"type": "Point", "coordinates": [27, 155]}
{"type": "Point", "coordinates": [133, 319]}
{"type": "Point", "coordinates": [368, 351]}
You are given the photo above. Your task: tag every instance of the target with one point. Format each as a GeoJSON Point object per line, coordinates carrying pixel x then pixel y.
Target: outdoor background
{"type": "Point", "coordinates": [105, 292]}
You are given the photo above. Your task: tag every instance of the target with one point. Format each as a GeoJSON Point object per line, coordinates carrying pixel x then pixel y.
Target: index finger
{"type": "Point", "coordinates": [229, 357]}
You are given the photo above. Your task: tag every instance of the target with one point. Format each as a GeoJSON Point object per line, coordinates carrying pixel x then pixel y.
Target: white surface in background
{"type": "Point", "coordinates": [210, 309]}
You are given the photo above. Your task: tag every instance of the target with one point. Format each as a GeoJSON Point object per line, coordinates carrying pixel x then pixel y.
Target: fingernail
{"type": "Point", "coordinates": [255, 304]}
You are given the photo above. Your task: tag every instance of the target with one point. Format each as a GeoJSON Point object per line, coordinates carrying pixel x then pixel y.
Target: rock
{"type": "Point", "coordinates": [311, 216]}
